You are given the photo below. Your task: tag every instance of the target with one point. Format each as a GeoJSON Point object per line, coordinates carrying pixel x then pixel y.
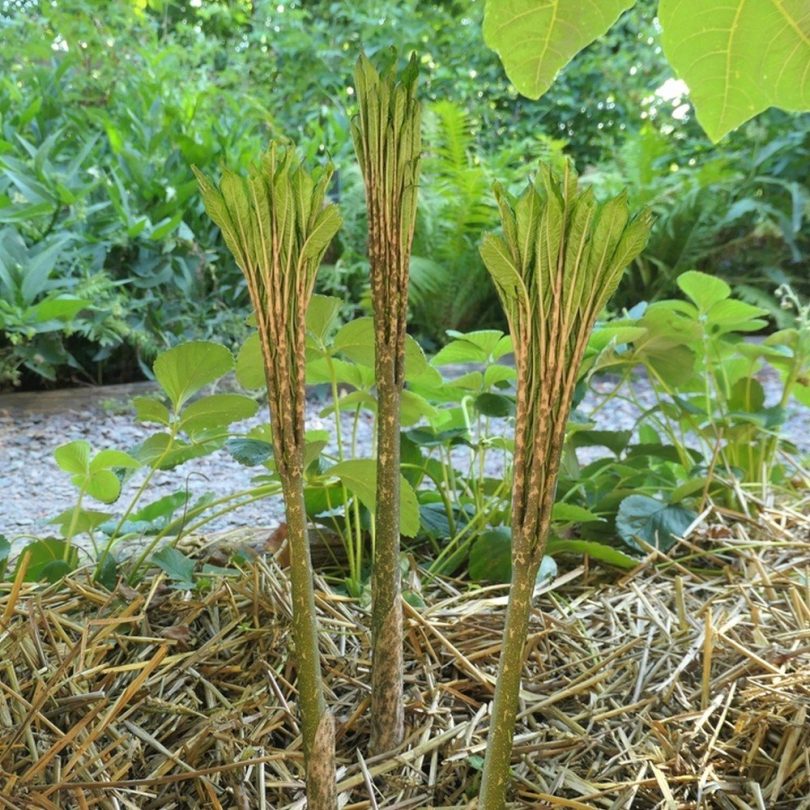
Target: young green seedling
{"type": "Point", "coordinates": [387, 140]}
{"type": "Point", "coordinates": [558, 261]}
{"type": "Point", "coordinates": [277, 227]}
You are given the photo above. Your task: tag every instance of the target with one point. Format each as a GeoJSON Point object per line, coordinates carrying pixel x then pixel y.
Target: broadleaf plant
{"type": "Point", "coordinates": [536, 40]}
{"type": "Point", "coordinates": [277, 227]}
{"type": "Point", "coordinates": [559, 259]}
{"type": "Point", "coordinates": [738, 58]}
{"type": "Point", "coordinates": [387, 140]}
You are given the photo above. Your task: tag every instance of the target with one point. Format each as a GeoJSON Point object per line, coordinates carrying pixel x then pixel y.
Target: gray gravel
{"type": "Point", "coordinates": [34, 489]}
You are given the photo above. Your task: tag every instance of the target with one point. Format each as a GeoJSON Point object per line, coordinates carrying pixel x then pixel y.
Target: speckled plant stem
{"type": "Point", "coordinates": [386, 616]}
{"type": "Point", "coordinates": [318, 725]}
{"type": "Point", "coordinates": [560, 257]}
{"type": "Point", "coordinates": [387, 140]}
{"type": "Point", "coordinates": [278, 227]}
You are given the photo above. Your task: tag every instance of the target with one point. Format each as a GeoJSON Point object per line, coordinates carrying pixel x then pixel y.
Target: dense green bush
{"type": "Point", "coordinates": [107, 257]}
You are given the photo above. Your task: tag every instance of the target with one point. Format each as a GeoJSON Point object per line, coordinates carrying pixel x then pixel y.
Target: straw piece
{"type": "Point", "coordinates": [103, 701]}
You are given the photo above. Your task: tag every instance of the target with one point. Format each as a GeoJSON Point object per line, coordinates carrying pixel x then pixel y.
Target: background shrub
{"type": "Point", "coordinates": [104, 106]}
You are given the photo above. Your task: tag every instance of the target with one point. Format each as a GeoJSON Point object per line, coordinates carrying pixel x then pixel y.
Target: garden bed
{"type": "Point", "coordinates": [33, 424]}
{"type": "Point", "coordinates": [682, 683]}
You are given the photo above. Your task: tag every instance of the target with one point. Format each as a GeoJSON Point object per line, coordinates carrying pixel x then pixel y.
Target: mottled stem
{"type": "Point", "coordinates": [386, 616]}
{"type": "Point", "coordinates": [316, 720]}
{"type": "Point", "coordinates": [496, 776]}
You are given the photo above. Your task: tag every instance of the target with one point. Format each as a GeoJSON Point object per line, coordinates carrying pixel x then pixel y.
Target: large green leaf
{"type": "Point", "coordinates": [113, 460]}
{"type": "Point", "coordinates": [249, 452]}
{"type": "Point", "coordinates": [322, 315]}
{"type": "Point", "coordinates": [103, 485]}
{"type": "Point", "coordinates": [704, 290]}
{"type": "Point", "coordinates": [473, 347]}
{"type": "Point", "coordinates": [185, 369]}
{"type": "Point", "coordinates": [216, 411]}
{"type": "Point", "coordinates": [50, 559]}
{"type": "Point", "coordinates": [250, 364]}
{"type": "Point", "coordinates": [79, 521]}
{"type": "Point", "coordinates": [73, 457]}
{"type": "Point", "coordinates": [656, 523]}
{"type": "Point", "coordinates": [150, 409]}
{"type": "Point", "coordinates": [491, 556]}
{"type": "Point", "coordinates": [356, 341]}
{"type": "Point", "coordinates": [360, 477]}
{"type": "Point", "coordinates": [537, 38]}
{"type": "Point", "coordinates": [739, 58]}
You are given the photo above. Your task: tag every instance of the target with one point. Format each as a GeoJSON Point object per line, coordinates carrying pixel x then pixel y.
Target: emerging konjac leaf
{"type": "Point", "coordinates": [387, 140]}
{"type": "Point", "coordinates": [557, 262]}
{"type": "Point", "coordinates": [277, 227]}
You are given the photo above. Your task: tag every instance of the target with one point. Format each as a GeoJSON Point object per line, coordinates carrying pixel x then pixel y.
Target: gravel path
{"type": "Point", "coordinates": [35, 490]}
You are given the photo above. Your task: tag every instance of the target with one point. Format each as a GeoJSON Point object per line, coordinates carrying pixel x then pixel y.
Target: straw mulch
{"type": "Point", "coordinates": [677, 685]}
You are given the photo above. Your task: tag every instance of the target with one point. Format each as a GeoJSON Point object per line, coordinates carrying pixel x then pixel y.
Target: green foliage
{"type": "Point", "coordinates": [187, 368]}
{"type": "Point", "coordinates": [449, 437]}
{"type": "Point", "coordinates": [559, 259]}
{"type": "Point", "coordinates": [359, 477]}
{"type": "Point", "coordinates": [94, 476]}
{"type": "Point", "coordinates": [657, 524]}
{"type": "Point", "coordinates": [97, 136]}
{"type": "Point", "coordinates": [535, 40]}
{"type": "Point", "coordinates": [196, 425]}
{"type": "Point", "coordinates": [450, 288]}
{"type": "Point", "coordinates": [705, 376]}
{"type": "Point", "coordinates": [5, 552]}
{"type": "Point", "coordinates": [739, 59]}
{"type": "Point", "coordinates": [177, 567]}
{"type": "Point", "coordinates": [740, 214]}
{"type": "Point", "coordinates": [49, 560]}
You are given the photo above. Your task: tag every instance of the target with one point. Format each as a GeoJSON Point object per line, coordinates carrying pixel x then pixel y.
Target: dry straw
{"type": "Point", "coordinates": [154, 698]}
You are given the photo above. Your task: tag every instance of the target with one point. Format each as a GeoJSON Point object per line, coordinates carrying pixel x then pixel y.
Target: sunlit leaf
{"type": "Point", "coordinates": [322, 315]}
{"type": "Point", "coordinates": [704, 290]}
{"type": "Point", "coordinates": [73, 457]}
{"type": "Point", "coordinates": [250, 364]}
{"type": "Point", "coordinates": [537, 38]}
{"type": "Point", "coordinates": [360, 477]}
{"type": "Point", "coordinates": [150, 409]}
{"type": "Point", "coordinates": [185, 369]}
{"type": "Point", "coordinates": [739, 57]}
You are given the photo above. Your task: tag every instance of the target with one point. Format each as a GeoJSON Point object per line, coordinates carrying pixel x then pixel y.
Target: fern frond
{"type": "Point", "coordinates": [450, 287]}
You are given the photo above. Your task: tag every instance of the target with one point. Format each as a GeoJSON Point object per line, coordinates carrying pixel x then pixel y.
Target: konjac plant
{"type": "Point", "coordinates": [559, 259]}
{"type": "Point", "coordinates": [387, 140]}
{"type": "Point", "coordinates": [277, 227]}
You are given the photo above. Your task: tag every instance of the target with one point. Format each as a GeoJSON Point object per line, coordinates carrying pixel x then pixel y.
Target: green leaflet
{"type": "Point", "coordinates": [274, 217]}
{"type": "Point", "coordinates": [388, 142]}
{"type": "Point", "coordinates": [276, 225]}
{"type": "Point", "coordinates": [559, 247]}
{"type": "Point", "coordinates": [558, 260]}
{"type": "Point", "coordinates": [508, 282]}
{"type": "Point", "coordinates": [610, 219]}
{"type": "Point", "coordinates": [323, 229]}
{"type": "Point", "coordinates": [526, 223]}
